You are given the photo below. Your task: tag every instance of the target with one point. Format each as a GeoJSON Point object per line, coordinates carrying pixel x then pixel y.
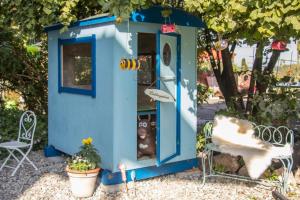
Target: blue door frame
{"type": "Point", "coordinates": [178, 96]}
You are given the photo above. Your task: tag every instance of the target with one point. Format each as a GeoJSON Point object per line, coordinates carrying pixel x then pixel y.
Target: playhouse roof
{"type": "Point", "coordinates": [150, 15]}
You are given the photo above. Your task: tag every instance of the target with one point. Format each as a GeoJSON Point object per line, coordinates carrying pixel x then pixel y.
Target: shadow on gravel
{"type": "Point", "coordinates": [12, 187]}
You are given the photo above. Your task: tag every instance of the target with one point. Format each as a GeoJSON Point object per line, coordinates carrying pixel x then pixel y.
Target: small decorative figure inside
{"type": "Point", "coordinates": [146, 138]}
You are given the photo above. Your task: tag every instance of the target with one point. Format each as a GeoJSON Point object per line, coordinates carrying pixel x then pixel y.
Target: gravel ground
{"type": "Point", "coordinates": [51, 182]}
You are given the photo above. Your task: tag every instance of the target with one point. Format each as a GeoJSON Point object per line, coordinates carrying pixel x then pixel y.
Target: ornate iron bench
{"type": "Point", "coordinates": [278, 136]}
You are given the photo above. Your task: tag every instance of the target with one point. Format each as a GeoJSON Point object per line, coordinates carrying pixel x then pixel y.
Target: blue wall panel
{"type": "Point", "coordinates": [73, 117]}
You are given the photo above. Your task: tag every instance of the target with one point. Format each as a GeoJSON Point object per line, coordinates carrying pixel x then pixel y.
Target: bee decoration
{"type": "Point", "coordinates": [130, 64]}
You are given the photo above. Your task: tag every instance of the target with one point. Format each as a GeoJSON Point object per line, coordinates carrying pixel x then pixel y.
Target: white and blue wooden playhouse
{"type": "Point", "coordinates": [91, 96]}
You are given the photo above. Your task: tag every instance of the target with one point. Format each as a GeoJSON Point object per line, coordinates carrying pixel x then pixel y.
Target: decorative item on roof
{"type": "Point", "coordinates": [168, 27]}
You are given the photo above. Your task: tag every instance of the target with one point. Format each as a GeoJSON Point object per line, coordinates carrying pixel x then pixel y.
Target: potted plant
{"type": "Point", "coordinates": [83, 169]}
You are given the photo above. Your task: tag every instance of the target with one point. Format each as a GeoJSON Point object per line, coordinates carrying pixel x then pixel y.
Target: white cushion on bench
{"type": "Point", "coordinates": [236, 137]}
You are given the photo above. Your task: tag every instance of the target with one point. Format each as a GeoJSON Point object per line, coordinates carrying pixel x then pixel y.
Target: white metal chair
{"type": "Point", "coordinates": [25, 141]}
{"type": "Point", "coordinates": [277, 136]}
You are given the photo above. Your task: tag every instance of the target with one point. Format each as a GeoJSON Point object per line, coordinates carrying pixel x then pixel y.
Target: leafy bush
{"type": "Point", "coordinates": [203, 92]}
{"type": "Point", "coordinates": [200, 143]}
{"type": "Point", "coordinates": [270, 175]}
{"type": "Point", "coordinates": [277, 107]}
{"type": "Point", "coordinates": [219, 168]}
{"type": "Point", "coordinates": [9, 128]}
{"type": "Point", "coordinates": [11, 104]}
{"type": "Point", "coordinates": [86, 159]}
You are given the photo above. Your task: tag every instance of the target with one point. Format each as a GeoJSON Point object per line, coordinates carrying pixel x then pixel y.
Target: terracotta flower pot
{"type": "Point", "coordinates": [83, 183]}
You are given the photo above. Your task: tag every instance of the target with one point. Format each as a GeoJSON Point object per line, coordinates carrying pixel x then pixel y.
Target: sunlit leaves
{"type": "Point", "coordinates": [250, 20]}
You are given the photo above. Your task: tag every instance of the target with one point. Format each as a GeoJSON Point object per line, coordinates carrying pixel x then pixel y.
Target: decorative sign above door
{"type": "Point", "coordinates": [168, 28]}
{"type": "Point", "coordinates": [159, 95]}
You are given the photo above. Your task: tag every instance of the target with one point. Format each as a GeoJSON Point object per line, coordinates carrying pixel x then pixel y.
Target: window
{"type": "Point", "coordinates": [77, 63]}
{"type": "Point", "coordinates": [167, 54]}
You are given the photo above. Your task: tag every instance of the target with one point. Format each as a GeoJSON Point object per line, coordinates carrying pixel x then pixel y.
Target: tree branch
{"type": "Point", "coordinates": [273, 60]}
{"type": "Point", "coordinates": [257, 65]}
{"type": "Point", "coordinates": [232, 48]}
{"type": "Point", "coordinates": [264, 81]}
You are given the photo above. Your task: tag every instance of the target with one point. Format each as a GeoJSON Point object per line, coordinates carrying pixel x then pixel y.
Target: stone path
{"type": "Point", "coordinates": [51, 182]}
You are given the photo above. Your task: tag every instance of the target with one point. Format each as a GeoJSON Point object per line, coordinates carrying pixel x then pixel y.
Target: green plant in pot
{"type": "Point", "coordinates": [83, 169]}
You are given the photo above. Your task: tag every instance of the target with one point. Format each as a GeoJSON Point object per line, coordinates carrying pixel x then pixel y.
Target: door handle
{"type": "Point", "coordinates": [167, 78]}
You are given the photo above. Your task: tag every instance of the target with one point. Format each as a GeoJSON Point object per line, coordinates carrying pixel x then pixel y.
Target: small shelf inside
{"type": "Point", "coordinates": [146, 112]}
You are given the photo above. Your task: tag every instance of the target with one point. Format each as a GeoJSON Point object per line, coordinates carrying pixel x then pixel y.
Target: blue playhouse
{"type": "Point", "coordinates": [90, 95]}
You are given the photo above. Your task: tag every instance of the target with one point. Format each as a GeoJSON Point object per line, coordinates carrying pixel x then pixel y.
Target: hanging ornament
{"type": "Point", "coordinates": [130, 64]}
{"type": "Point", "coordinates": [221, 44]}
{"type": "Point", "coordinates": [166, 12]}
{"type": "Point", "coordinates": [167, 27]}
{"type": "Point", "coordinates": [278, 45]}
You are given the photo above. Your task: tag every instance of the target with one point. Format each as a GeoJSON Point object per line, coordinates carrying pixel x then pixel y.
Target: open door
{"type": "Point", "coordinates": [168, 113]}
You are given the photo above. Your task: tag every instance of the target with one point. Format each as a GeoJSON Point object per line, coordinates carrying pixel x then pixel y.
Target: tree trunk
{"type": "Point", "coordinates": [231, 94]}
{"type": "Point", "coordinates": [263, 82]}
{"type": "Point", "coordinates": [256, 69]}
{"type": "Point", "coordinates": [224, 75]}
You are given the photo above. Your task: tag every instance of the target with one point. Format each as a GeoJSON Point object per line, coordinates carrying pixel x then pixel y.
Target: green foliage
{"type": "Point", "coordinates": [270, 175]}
{"type": "Point", "coordinates": [204, 129]}
{"type": "Point", "coordinates": [219, 168]}
{"type": "Point", "coordinates": [200, 142]}
{"type": "Point", "coordinates": [86, 159]}
{"type": "Point", "coordinates": [11, 104]}
{"type": "Point", "coordinates": [236, 69]}
{"type": "Point", "coordinates": [203, 93]}
{"type": "Point", "coordinates": [23, 68]}
{"type": "Point", "coordinates": [23, 44]}
{"type": "Point", "coordinates": [9, 128]}
{"type": "Point", "coordinates": [204, 67]}
{"type": "Point", "coordinates": [33, 49]}
{"type": "Point", "coordinates": [250, 20]}
{"type": "Point", "coordinates": [277, 107]}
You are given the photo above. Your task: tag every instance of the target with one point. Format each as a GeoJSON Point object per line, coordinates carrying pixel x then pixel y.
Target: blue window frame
{"type": "Point", "coordinates": [82, 58]}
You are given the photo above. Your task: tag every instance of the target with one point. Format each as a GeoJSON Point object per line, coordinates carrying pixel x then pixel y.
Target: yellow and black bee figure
{"type": "Point", "coordinates": [130, 64]}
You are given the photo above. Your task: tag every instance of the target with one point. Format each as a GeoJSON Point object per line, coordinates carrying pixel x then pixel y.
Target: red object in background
{"type": "Point", "coordinates": [204, 56]}
{"type": "Point", "coordinates": [279, 45]}
{"type": "Point", "coordinates": [168, 28]}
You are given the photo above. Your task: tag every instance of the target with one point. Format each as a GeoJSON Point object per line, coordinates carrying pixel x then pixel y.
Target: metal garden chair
{"type": "Point", "coordinates": [25, 141]}
{"type": "Point", "coordinates": [277, 136]}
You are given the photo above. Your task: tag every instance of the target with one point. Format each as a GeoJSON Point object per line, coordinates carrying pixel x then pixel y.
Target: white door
{"type": "Point", "coordinates": [168, 113]}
